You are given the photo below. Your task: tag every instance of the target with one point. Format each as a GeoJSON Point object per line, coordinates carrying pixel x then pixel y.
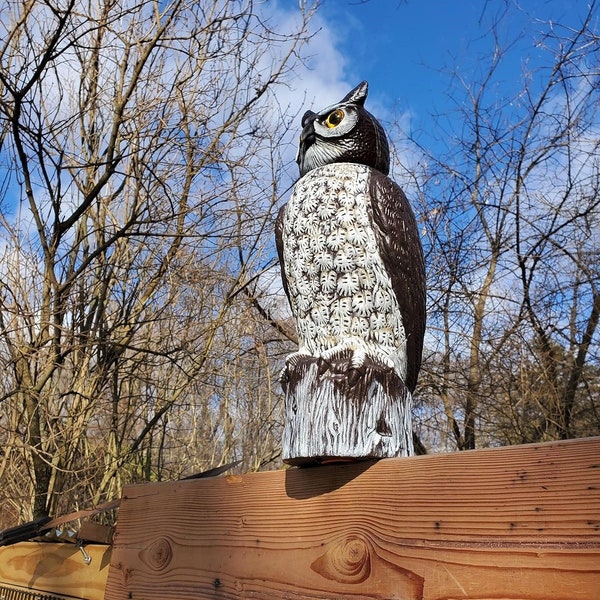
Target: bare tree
{"type": "Point", "coordinates": [133, 132]}
{"type": "Point", "coordinates": [511, 218]}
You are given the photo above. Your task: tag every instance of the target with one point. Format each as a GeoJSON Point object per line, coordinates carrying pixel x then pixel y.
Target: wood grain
{"type": "Point", "coordinates": [509, 523]}
{"type": "Point", "coordinates": [56, 568]}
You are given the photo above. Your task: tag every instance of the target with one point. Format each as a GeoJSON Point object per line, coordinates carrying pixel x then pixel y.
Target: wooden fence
{"type": "Point", "coordinates": [511, 523]}
{"type": "Point", "coordinates": [49, 571]}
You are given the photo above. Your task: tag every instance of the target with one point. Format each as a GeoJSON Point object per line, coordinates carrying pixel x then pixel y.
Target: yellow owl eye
{"type": "Point", "coordinates": [335, 118]}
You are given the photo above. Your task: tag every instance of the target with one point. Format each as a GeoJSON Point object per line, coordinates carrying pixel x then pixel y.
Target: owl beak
{"type": "Point", "coordinates": [307, 139]}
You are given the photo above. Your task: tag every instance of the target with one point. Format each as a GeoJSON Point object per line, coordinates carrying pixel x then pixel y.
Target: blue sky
{"type": "Point", "coordinates": [406, 49]}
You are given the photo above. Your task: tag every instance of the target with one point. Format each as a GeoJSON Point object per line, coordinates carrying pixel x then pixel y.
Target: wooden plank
{"type": "Point", "coordinates": [95, 532]}
{"type": "Point", "coordinates": [509, 523]}
{"type": "Point", "coordinates": [56, 568]}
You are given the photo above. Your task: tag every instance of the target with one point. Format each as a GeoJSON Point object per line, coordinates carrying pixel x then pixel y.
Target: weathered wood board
{"type": "Point", "coordinates": [510, 523]}
{"type": "Point", "coordinates": [55, 569]}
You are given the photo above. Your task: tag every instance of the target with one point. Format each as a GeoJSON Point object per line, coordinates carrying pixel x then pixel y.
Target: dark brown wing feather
{"type": "Point", "coordinates": [400, 248]}
{"type": "Point", "coordinates": [279, 245]}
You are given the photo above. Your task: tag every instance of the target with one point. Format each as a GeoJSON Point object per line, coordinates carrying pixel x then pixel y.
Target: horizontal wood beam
{"type": "Point", "coordinates": [519, 522]}
{"type": "Point", "coordinates": [53, 569]}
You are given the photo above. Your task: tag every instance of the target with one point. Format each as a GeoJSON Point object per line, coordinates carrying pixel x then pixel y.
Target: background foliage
{"type": "Point", "coordinates": [144, 151]}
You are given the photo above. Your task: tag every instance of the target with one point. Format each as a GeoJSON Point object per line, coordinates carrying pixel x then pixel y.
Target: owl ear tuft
{"type": "Point", "coordinates": [358, 95]}
{"type": "Point", "coordinates": [308, 115]}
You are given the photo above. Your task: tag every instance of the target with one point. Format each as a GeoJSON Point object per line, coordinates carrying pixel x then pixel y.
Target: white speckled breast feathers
{"type": "Point", "coordinates": [340, 291]}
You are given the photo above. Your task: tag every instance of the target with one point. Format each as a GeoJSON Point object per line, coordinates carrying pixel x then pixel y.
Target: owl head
{"type": "Point", "coordinates": [343, 132]}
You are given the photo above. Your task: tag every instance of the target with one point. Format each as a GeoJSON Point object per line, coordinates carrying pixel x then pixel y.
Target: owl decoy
{"type": "Point", "coordinates": [345, 132]}
{"type": "Point", "coordinates": [350, 254]}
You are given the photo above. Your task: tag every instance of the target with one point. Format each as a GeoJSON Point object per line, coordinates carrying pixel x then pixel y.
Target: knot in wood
{"type": "Point", "coordinates": [354, 557]}
{"type": "Point", "coordinates": [346, 561]}
{"type": "Point", "coordinates": [159, 554]}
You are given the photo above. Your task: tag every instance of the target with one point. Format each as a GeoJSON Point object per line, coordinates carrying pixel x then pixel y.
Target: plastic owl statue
{"type": "Point", "coordinates": [353, 271]}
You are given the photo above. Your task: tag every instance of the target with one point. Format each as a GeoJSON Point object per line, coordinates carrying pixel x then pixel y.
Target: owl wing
{"type": "Point", "coordinates": [279, 245]}
{"type": "Point", "coordinates": [400, 248]}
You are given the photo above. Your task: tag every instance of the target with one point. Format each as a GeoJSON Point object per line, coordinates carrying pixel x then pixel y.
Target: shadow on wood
{"type": "Point", "coordinates": [52, 570]}
{"type": "Point", "coordinates": [302, 484]}
{"type": "Point", "coordinates": [513, 523]}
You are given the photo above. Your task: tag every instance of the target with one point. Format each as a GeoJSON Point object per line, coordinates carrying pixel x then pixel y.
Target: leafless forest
{"type": "Point", "coordinates": [144, 152]}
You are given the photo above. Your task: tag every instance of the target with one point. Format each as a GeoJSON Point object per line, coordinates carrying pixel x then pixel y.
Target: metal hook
{"type": "Point", "coordinates": [87, 559]}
